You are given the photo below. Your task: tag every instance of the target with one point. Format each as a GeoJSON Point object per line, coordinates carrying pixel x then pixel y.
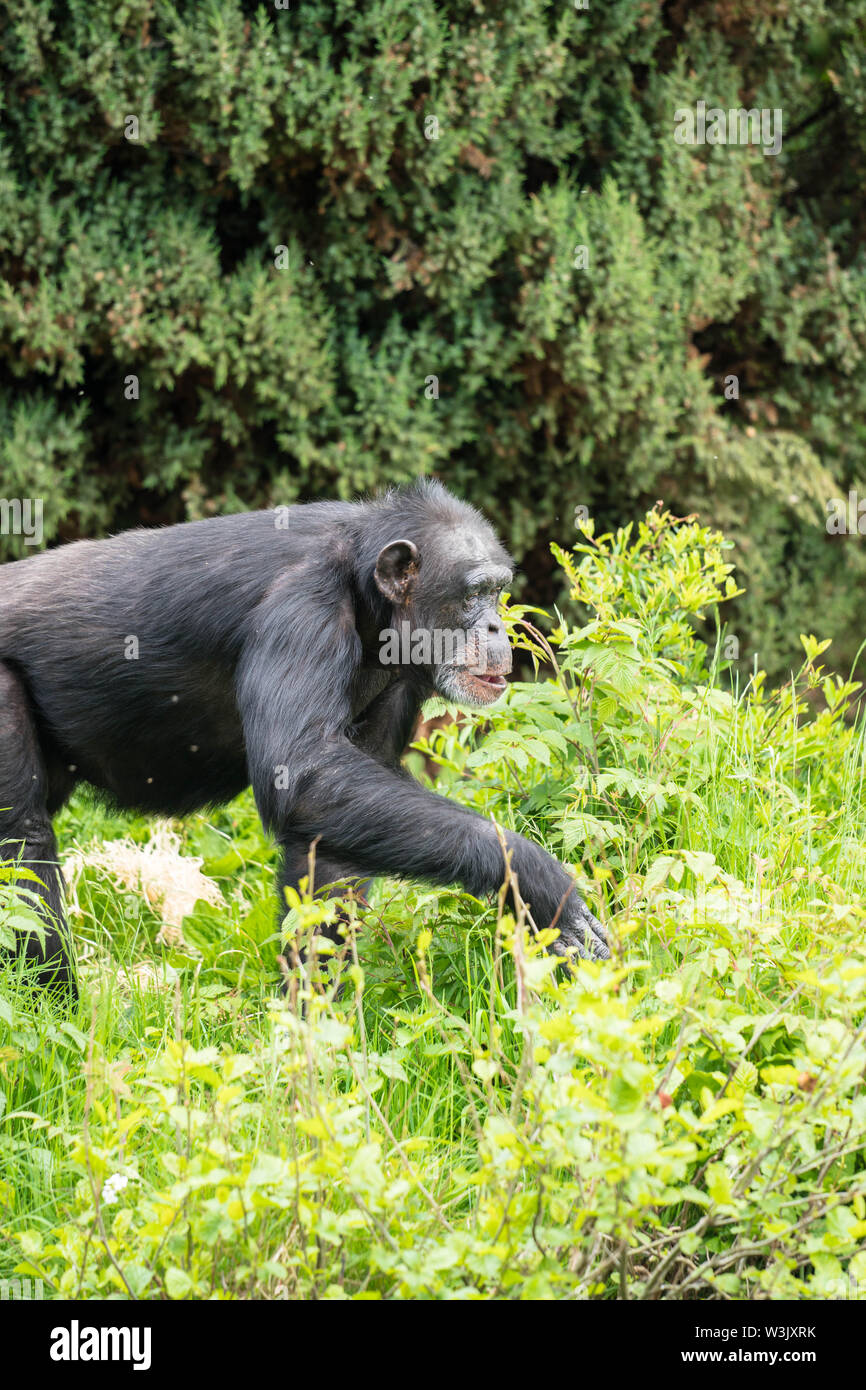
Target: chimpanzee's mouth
{"type": "Point", "coordinates": [470, 687]}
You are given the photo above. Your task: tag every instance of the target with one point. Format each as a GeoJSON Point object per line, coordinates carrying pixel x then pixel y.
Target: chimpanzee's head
{"type": "Point", "coordinates": [445, 587]}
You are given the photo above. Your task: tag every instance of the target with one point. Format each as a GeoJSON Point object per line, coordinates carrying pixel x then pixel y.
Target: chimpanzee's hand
{"type": "Point", "coordinates": [580, 934]}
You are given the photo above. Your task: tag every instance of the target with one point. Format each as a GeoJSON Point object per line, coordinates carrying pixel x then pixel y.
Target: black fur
{"type": "Point", "coordinates": [258, 662]}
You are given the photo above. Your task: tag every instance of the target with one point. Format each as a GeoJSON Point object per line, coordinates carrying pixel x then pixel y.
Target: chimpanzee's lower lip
{"type": "Point", "coordinates": [496, 682]}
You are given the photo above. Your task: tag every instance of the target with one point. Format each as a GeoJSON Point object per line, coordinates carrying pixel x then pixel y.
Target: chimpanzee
{"type": "Point", "coordinates": [170, 668]}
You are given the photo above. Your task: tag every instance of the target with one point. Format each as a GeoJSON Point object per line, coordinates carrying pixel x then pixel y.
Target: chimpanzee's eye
{"type": "Point", "coordinates": [476, 593]}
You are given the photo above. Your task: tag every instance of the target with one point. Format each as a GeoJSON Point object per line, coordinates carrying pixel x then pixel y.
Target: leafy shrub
{"type": "Point", "coordinates": [323, 209]}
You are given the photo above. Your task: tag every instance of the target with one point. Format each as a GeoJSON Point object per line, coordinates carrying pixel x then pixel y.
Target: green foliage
{"type": "Point", "coordinates": [417, 250]}
{"type": "Point", "coordinates": [460, 1121]}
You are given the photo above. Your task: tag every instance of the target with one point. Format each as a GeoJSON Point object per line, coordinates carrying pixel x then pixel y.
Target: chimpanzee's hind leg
{"type": "Point", "coordinates": [26, 834]}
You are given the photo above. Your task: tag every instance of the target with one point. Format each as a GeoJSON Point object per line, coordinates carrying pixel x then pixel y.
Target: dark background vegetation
{"type": "Point", "coordinates": [411, 257]}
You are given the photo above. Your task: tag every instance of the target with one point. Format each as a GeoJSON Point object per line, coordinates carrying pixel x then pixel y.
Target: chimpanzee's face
{"type": "Point", "coordinates": [447, 612]}
{"type": "Point", "coordinates": [473, 672]}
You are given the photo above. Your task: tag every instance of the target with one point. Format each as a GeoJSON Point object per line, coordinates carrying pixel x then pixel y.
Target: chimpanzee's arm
{"type": "Point", "coordinates": [383, 730]}
{"type": "Point", "coordinates": [311, 782]}
{"type": "Point", "coordinates": [385, 823]}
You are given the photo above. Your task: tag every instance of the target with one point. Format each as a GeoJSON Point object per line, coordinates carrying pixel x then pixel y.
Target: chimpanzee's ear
{"type": "Point", "coordinates": [396, 569]}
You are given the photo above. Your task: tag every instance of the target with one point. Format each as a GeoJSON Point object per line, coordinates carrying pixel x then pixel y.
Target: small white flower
{"type": "Point", "coordinates": [114, 1184]}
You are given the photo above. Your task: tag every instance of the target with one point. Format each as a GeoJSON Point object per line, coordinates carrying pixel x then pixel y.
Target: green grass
{"type": "Point", "coordinates": [450, 1117]}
